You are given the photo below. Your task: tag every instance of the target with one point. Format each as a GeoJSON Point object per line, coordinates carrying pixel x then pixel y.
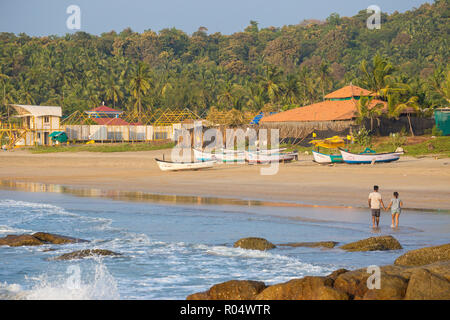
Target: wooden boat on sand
{"type": "Point", "coordinates": [257, 157]}
{"type": "Point", "coordinates": [369, 156]}
{"type": "Point", "coordinates": [327, 158]}
{"type": "Point", "coordinates": [165, 165]}
{"type": "Point", "coordinates": [329, 143]}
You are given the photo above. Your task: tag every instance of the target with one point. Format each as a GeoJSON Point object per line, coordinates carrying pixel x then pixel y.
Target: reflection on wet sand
{"type": "Point", "coordinates": [144, 196]}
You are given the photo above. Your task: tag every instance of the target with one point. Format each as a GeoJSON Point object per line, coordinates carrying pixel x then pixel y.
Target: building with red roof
{"type": "Point", "coordinates": [339, 105]}
{"type": "Point", "coordinates": [336, 114]}
{"type": "Point", "coordinates": [106, 116]}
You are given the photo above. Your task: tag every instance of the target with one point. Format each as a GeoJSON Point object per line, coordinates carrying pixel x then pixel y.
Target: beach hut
{"type": "Point", "coordinates": [337, 115]}
{"type": "Point", "coordinates": [38, 122]}
{"type": "Point", "coordinates": [333, 116]}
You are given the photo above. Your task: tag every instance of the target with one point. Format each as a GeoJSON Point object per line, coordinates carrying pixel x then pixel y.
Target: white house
{"type": "Point", "coordinates": [38, 122]}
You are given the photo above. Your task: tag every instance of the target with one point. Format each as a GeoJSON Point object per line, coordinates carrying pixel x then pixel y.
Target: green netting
{"type": "Point", "coordinates": [60, 136]}
{"type": "Point", "coordinates": [442, 118]}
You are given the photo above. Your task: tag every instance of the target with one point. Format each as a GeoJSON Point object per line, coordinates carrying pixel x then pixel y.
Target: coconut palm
{"type": "Point", "coordinates": [396, 106]}
{"type": "Point", "coordinates": [269, 83]}
{"type": "Point", "coordinates": [441, 87]}
{"type": "Point", "coordinates": [366, 110]}
{"type": "Point", "coordinates": [113, 91]}
{"type": "Point", "coordinates": [291, 89]}
{"type": "Point", "coordinates": [140, 85]}
{"type": "Point", "coordinates": [324, 77]}
{"type": "Point", "coordinates": [377, 76]}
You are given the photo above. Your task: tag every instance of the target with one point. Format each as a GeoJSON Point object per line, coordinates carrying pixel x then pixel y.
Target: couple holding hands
{"type": "Point", "coordinates": [375, 204]}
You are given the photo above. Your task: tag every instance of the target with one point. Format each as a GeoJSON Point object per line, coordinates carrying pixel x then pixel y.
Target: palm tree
{"type": "Point", "coordinates": [291, 89]}
{"type": "Point", "coordinates": [366, 110]}
{"type": "Point", "coordinates": [269, 83]}
{"type": "Point", "coordinates": [441, 87]}
{"type": "Point", "coordinates": [113, 91]}
{"type": "Point", "coordinates": [396, 106]}
{"type": "Point", "coordinates": [377, 76]}
{"type": "Point", "coordinates": [3, 78]}
{"type": "Point", "coordinates": [324, 77]}
{"type": "Point", "coordinates": [139, 85]}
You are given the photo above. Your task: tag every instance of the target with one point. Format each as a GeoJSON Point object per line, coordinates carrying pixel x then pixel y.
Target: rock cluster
{"type": "Point", "coordinates": [373, 244]}
{"type": "Point", "coordinates": [86, 253]}
{"type": "Point", "coordinates": [254, 244]}
{"type": "Point", "coordinates": [323, 244]}
{"type": "Point", "coordinates": [424, 256]}
{"type": "Point", "coordinates": [36, 239]}
{"type": "Point", "coordinates": [422, 274]}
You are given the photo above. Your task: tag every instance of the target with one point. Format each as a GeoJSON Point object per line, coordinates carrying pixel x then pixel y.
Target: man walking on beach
{"type": "Point", "coordinates": [375, 203]}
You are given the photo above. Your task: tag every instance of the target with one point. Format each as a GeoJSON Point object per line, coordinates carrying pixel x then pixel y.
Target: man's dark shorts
{"type": "Point", "coordinates": [376, 212]}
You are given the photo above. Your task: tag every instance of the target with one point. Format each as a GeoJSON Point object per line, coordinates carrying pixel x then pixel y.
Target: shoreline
{"type": "Point", "coordinates": [171, 199]}
{"type": "Point", "coordinates": [422, 183]}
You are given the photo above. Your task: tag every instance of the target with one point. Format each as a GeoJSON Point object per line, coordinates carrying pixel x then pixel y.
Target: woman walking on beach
{"type": "Point", "coordinates": [396, 207]}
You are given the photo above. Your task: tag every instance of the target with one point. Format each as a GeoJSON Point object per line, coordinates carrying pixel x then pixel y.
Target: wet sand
{"type": "Point", "coordinates": [422, 183]}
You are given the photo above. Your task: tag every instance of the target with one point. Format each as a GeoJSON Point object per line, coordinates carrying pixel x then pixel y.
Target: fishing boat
{"type": "Point", "coordinates": [369, 156]}
{"type": "Point", "coordinates": [220, 156]}
{"type": "Point", "coordinates": [329, 143]}
{"type": "Point", "coordinates": [203, 155]}
{"type": "Point", "coordinates": [165, 165]}
{"type": "Point", "coordinates": [327, 158]}
{"type": "Point", "coordinates": [257, 157]}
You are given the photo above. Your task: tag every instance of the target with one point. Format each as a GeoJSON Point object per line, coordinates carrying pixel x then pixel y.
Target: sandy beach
{"type": "Point", "coordinates": [422, 183]}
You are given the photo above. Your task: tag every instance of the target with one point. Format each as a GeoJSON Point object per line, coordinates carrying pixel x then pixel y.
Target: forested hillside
{"type": "Point", "coordinates": [269, 69]}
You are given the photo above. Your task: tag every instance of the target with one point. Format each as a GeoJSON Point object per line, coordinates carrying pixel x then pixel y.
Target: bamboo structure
{"type": "Point", "coordinates": [134, 126]}
{"type": "Point", "coordinates": [13, 134]}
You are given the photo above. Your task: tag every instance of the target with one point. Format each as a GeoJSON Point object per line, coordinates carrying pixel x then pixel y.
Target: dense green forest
{"type": "Point", "coordinates": [269, 69]}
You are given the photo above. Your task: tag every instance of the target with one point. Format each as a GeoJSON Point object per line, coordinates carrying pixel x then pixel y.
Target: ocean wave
{"type": "Point", "coordinates": [100, 285]}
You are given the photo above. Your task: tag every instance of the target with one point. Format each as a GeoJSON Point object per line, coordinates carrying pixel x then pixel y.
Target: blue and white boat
{"type": "Point", "coordinates": [369, 157]}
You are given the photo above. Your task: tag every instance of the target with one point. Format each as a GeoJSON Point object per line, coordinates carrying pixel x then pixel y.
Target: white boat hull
{"type": "Point", "coordinates": [177, 166]}
{"type": "Point", "coordinates": [256, 157]}
{"type": "Point", "coordinates": [222, 156]}
{"type": "Point", "coordinates": [321, 158]}
{"type": "Point", "coordinates": [369, 158]}
{"type": "Point", "coordinates": [203, 156]}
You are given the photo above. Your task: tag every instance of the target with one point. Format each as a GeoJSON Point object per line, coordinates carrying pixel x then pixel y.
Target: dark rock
{"type": "Point", "coordinates": [236, 290]}
{"type": "Point", "coordinates": [20, 240]}
{"type": "Point", "coordinates": [425, 285]}
{"type": "Point", "coordinates": [333, 276]}
{"type": "Point", "coordinates": [441, 268]}
{"type": "Point", "coordinates": [254, 244]}
{"type": "Point", "coordinates": [354, 283]}
{"type": "Point", "coordinates": [199, 296]}
{"type": "Point", "coordinates": [324, 244]}
{"type": "Point", "coordinates": [373, 244]}
{"type": "Point", "coordinates": [37, 239]}
{"type": "Point", "coordinates": [86, 253]}
{"type": "Point", "coordinates": [55, 238]}
{"type": "Point", "coordinates": [424, 256]}
{"type": "Point", "coordinates": [392, 287]}
{"type": "Point", "coordinates": [307, 288]}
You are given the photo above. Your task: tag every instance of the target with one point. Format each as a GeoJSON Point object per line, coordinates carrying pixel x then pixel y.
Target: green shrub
{"type": "Point", "coordinates": [363, 138]}
{"type": "Point", "coordinates": [397, 139]}
{"type": "Point", "coordinates": [436, 132]}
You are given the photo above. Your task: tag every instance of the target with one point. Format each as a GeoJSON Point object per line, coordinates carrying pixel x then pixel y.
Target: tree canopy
{"type": "Point", "coordinates": [257, 69]}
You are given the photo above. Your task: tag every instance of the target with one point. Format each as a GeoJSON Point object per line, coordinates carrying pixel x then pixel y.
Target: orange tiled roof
{"type": "Point", "coordinates": [348, 92]}
{"type": "Point", "coordinates": [322, 111]}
